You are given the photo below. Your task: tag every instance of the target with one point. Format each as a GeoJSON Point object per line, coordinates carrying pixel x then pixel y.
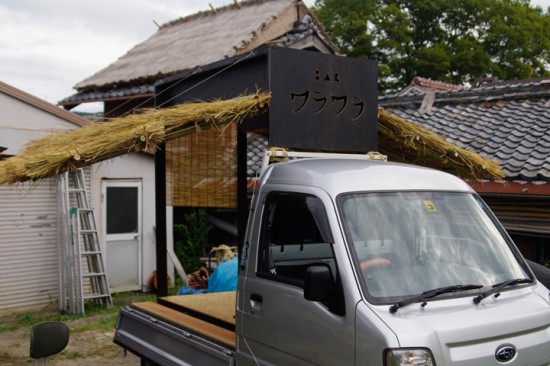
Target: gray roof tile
{"type": "Point", "coordinates": [255, 152]}
{"type": "Point", "coordinates": [507, 121]}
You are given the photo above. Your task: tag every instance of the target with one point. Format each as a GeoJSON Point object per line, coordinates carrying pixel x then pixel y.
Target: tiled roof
{"type": "Point", "coordinates": [505, 121]}
{"type": "Point", "coordinates": [257, 145]}
{"type": "Point", "coordinates": [122, 92]}
{"type": "Point", "coordinates": [420, 85]}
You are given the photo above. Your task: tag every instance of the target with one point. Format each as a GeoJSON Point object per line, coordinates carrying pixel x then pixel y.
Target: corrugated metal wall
{"type": "Point", "coordinates": [527, 220]}
{"type": "Point", "coordinates": [29, 270]}
{"type": "Point", "coordinates": [522, 213]}
{"type": "Point", "coordinates": [28, 245]}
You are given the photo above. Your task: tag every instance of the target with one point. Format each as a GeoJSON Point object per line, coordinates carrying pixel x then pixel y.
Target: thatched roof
{"type": "Point", "coordinates": [64, 151]}
{"type": "Point", "coordinates": [201, 39]}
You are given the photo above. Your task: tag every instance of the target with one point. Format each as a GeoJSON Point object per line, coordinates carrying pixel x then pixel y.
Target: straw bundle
{"type": "Point", "coordinates": [410, 143]}
{"type": "Point", "coordinates": [55, 154]}
{"type": "Point", "coordinates": [67, 151]}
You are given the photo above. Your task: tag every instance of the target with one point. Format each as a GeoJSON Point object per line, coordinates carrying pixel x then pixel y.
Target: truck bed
{"type": "Point", "coordinates": [216, 307]}
{"type": "Point", "coordinates": [180, 330]}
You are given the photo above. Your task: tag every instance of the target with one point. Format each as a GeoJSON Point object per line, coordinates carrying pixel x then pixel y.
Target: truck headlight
{"type": "Point", "coordinates": [408, 357]}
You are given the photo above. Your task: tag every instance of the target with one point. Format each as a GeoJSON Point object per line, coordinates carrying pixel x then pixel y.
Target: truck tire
{"type": "Point", "coordinates": [146, 362]}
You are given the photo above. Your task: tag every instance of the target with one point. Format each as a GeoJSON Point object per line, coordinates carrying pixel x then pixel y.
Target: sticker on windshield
{"type": "Point", "coordinates": [430, 206]}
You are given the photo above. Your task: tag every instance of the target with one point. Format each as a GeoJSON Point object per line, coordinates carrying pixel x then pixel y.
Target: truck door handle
{"type": "Point", "coordinates": [256, 297]}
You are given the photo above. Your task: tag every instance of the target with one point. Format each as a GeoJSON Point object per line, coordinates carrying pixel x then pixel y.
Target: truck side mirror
{"type": "Point", "coordinates": [317, 283]}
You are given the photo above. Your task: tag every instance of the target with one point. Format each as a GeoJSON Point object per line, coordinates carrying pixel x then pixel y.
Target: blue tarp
{"type": "Point", "coordinates": [224, 278]}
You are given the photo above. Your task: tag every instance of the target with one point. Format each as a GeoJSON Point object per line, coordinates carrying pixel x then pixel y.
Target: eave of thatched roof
{"type": "Point", "coordinates": [65, 151]}
{"type": "Point", "coordinates": [201, 39]}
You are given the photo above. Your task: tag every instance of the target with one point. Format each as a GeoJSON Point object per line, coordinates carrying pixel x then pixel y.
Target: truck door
{"type": "Point", "coordinates": [279, 326]}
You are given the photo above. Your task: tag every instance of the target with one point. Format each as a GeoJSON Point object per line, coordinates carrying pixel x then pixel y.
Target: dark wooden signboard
{"type": "Point", "coordinates": [322, 102]}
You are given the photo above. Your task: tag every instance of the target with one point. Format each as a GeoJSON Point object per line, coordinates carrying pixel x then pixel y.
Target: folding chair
{"type": "Point", "coordinates": [48, 339]}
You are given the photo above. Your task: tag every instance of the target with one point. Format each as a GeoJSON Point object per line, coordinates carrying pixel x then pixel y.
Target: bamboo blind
{"type": "Point", "coordinates": [201, 169]}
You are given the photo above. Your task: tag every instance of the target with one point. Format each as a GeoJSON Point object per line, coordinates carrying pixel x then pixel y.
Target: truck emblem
{"type": "Point", "coordinates": [244, 254]}
{"type": "Point", "coordinates": [505, 353]}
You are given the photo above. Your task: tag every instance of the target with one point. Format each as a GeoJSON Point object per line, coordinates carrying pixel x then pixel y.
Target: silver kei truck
{"type": "Point", "coordinates": [356, 262]}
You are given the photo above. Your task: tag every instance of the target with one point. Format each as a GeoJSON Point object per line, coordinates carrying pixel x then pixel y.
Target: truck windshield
{"type": "Point", "coordinates": [406, 243]}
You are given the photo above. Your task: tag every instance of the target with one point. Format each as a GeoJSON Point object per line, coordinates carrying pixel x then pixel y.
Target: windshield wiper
{"type": "Point", "coordinates": [499, 286]}
{"type": "Point", "coordinates": [431, 294]}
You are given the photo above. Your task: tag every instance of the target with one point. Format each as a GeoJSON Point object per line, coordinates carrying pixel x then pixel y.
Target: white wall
{"type": "Point", "coordinates": [21, 123]}
{"type": "Point", "coordinates": [29, 276]}
{"type": "Point", "coordinates": [29, 263]}
{"type": "Point", "coordinates": [138, 167]}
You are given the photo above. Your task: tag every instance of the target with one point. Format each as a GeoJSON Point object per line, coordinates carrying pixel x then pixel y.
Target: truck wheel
{"type": "Point", "coordinates": [146, 362]}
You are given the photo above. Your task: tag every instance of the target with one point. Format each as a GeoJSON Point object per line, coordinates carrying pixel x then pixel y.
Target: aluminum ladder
{"type": "Point", "coordinates": [82, 276]}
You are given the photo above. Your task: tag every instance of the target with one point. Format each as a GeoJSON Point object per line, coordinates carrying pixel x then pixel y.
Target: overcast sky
{"type": "Point", "coordinates": [47, 46]}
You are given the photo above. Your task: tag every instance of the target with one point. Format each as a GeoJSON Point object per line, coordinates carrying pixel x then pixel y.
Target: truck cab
{"type": "Point", "coordinates": [361, 262]}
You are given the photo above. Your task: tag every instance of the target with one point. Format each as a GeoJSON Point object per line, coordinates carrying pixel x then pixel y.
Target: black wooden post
{"type": "Point", "coordinates": [160, 218]}
{"type": "Point", "coordinates": [242, 191]}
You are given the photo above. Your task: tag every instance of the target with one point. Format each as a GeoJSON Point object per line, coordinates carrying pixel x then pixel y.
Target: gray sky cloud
{"type": "Point", "coordinates": [46, 47]}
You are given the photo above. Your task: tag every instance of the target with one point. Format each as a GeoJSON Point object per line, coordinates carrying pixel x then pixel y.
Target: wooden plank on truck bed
{"type": "Point", "coordinates": [209, 330]}
{"type": "Point", "coordinates": [219, 305]}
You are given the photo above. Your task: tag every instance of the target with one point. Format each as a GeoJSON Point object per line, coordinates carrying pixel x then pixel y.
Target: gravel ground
{"type": "Point", "coordinates": [84, 348]}
{"type": "Point", "coordinates": [90, 340]}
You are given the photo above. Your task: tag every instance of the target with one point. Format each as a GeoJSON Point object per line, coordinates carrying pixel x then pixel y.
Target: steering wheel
{"type": "Point", "coordinates": [375, 262]}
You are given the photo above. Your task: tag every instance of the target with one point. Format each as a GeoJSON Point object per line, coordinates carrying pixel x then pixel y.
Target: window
{"type": "Point", "coordinates": [122, 210]}
{"type": "Point", "coordinates": [410, 242]}
{"type": "Point", "coordinates": [295, 235]}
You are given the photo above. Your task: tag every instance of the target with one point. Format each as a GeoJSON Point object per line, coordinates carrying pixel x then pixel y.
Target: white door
{"type": "Point", "coordinates": [122, 233]}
